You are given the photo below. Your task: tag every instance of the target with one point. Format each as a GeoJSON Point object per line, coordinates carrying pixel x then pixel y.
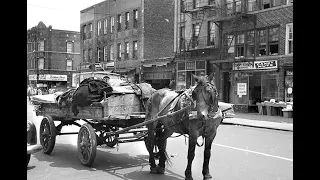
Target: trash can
{"type": "Point", "coordinates": [274, 111]}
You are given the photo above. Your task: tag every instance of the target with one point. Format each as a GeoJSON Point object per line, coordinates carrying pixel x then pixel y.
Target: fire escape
{"type": "Point", "coordinates": [235, 19]}
{"type": "Point", "coordinates": [197, 10]}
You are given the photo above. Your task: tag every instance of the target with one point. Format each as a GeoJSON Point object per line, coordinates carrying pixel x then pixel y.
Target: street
{"type": "Point", "coordinates": [237, 153]}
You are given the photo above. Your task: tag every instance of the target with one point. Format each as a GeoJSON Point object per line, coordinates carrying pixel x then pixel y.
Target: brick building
{"type": "Point", "coordinates": [247, 43]}
{"type": "Point", "coordinates": [52, 56]}
{"type": "Point", "coordinates": [133, 37]}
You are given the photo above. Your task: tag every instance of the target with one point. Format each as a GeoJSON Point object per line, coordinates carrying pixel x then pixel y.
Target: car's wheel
{"type": "Point", "coordinates": [28, 158]}
{"type": "Point", "coordinates": [87, 145]}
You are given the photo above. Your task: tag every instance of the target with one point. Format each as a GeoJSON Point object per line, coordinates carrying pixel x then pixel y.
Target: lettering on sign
{"type": "Point", "coordinates": [265, 64]}
{"type": "Point", "coordinates": [243, 66]}
{"type": "Point", "coordinates": [241, 89]}
{"type": "Point", "coordinates": [255, 65]}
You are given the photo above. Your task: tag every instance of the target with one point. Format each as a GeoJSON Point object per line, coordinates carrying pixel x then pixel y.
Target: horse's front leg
{"type": "Point", "coordinates": [162, 155]}
{"type": "Point", "coordinates": [150, 142]}
{"type": "Point", "coordinates": [191, 149]}
{"type": "Point", "coordinates": [207, 155]}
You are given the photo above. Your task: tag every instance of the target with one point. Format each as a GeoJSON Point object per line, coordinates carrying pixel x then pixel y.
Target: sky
{"type": "Point", "coordinates": [60, 14]}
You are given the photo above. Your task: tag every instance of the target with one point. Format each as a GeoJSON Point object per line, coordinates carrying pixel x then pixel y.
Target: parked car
{"type": "Point", "coordinates": [32, 146]}
{"type": "Point", "coordinates": [224, 106]}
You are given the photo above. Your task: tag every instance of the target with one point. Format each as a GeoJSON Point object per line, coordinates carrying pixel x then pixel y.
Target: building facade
{"type": "Point", "coordinates": [133, 37]}
{"type": "Point", "coordinates": [52, 56]}
{"type": "Point", "coordinates": [247, 43]}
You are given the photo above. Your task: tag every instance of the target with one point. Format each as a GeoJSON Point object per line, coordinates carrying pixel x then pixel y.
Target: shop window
{"type": "Point", "coordinates": [262, 45]}
{"type": "Point", "coordinates": [250, 44]}
{"type": "Point", "coordinates": [200, 65]}
{"type": "Point", "coordinates": [289, 86]}
{"type": "Point", "coordinates": [240, 45]}
{"type": "Point", "coordinates": [274, 41]}
{"type": "Point", "coordinates": [181, 66]}
{"type": "Point", "coordinates": [269, 87]}
{"type": "Point", "coordinates": [181, 80]}
{"type": "Point", "coordinates": [289, 39]}
{"type": "Point", "coordinates": [230, 45]}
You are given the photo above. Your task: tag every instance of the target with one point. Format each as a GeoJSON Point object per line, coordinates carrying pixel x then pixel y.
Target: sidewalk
{"type": "Point", "coordinates": [261, 121]}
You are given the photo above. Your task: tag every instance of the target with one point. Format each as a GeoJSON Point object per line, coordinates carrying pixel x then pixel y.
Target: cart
{"type": "Point", "coordinates": [119, 114]}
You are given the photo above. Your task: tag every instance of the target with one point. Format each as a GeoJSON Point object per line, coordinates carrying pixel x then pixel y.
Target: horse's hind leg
{"type": "Point", "coordinates": [207, 155]}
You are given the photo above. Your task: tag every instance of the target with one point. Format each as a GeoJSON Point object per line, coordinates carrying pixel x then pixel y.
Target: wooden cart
{"type": "Point", "coordinates": [105, 121]}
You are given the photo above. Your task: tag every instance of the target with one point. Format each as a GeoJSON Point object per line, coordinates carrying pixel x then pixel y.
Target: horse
{"type": "Point", "coordinates": [172, 110]}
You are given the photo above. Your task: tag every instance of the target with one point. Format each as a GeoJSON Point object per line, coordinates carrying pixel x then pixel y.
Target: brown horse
{"type": "Point", "coordinates": [173, 111]}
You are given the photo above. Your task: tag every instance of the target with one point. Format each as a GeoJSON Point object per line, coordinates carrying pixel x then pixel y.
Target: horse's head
{"type": "Point", "coordinates": [206, 96]}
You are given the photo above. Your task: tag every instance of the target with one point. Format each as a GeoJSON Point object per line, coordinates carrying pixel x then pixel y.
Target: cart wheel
{"type": "Point", "coordinates": [87, 144]}
{"type": "Point", "coordinates": [28, 159]}
{"type": "Point", "coordinates": [47, 134]}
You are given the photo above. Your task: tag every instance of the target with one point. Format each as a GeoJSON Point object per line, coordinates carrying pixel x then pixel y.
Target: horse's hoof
{"type": "Point", "coordinates": [207, 177]}
{"type": "Point", "coordinates": [160, 170]}
{"type": "Point", "coordinates": [154, 170]}
{"type": "Point", "coordinates": [188, 178]}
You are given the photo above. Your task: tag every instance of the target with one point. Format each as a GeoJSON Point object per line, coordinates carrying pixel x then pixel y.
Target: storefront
{"type": "Point", "coordinates": [288, 79]}
{"type": "Point", "coordinates": [253, 82]}
{"type": "Point", "coordinates": [185, 70]}
{"type": "Point", "coordinates": [159, 75]}
{"type": "Point", "coordinates": [47, 81]}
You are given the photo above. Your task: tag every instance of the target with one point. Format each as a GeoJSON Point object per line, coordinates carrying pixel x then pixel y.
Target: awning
{"type": "Point", "coordinates": [156, 62]}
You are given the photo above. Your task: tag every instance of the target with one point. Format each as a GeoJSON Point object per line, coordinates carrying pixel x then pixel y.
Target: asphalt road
{"type": "Point", "coordinates": [238, 153]}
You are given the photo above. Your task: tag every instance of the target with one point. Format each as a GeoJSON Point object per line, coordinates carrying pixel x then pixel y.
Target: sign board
{"type": "Point", "coordinates": [289, 73]}
{"type": "Point", "coordinates": [256, 65]}
{"type": "Point", "coordinates": [48, 77]}
{"type": "Point", "coordinates": [241, 89]}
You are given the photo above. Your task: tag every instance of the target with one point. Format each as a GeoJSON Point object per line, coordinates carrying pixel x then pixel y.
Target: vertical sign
{"type": "Point", "coordinates": [241, 89]}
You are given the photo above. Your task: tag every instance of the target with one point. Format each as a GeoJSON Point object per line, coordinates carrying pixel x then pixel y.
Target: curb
{"type": "Point", "coordinates": [259, 124]}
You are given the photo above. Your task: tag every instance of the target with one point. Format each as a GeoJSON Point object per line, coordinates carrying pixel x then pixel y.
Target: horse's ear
{"type": "Point", "coordinates": [211, 76]}
{"type": "Point", "coordinates": [195, 77]}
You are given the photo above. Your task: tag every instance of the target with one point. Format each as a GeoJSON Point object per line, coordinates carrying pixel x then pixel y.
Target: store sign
{"type": "Point", "coordinates": [48, 77]}
{"type": "Point", "coordinates": [256, 65]}
{"type": "Point", "coordinates": [241, 89]}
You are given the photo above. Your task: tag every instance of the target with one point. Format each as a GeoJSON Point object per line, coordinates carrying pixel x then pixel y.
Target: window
{"type": "Point", "coordinates": [90, 31]}
{"type": "Point", "coordinates": [40, 63]}
{"type": "Point", "coordinates": [252, 5]}
{"type": "Point", "coordinates": [229, 7]}
{"type": "Point", "coordinates": [238, 6]}
{"type": "Point", "coordinates": [289, 38]}
{"type": "Point", "coordinates": [119, 51]}
{"type": "Point", "coordinates": [112, 24]}
{"type": "Point", "coordinates": [262, 45]}
{"type": "Point", "coordinates": [99, 55]}
{"type": "Point", "coordinates": [126, 48]}
{"type": "Point", "coordinates": [69, 65]}
{"type": "Point", "coordinates": [69, 47]}
{"type": "Point", "coordinates": [99, 28]}
{"type": "Point", "coordinates": [240, 45]}
{"type": "Point", "coordinates": [182, 17]}
{"type": "Point", "coordinates": [250, 44]}
{"type": "Point", "coordinates": [84, 32]}
{"type": "Point", "coordinates": [276, 3]}
{"type": "Point", "coordinates": [196, 4]}
{"type": "Point", "coordinates": [105, 26]}
{"type": "Point", "coordinates": [230, 44]}
{"type": "Point", "coordinates": [41, 45]}
{"type": "Point", "coordinates": [127, 20]}
{"type": "Point", "coordinates": [274, 41]}
{"type": "Point", "coordinates": [119, 22]}
{"type": "Point", "coordinates": [90, 55]}
{"type": "Point", "coordinates": [182, 37]}
{"type": "Point", "coordinates": [196, 31]}
{"type": "Point", "coordinates": [105, 53]}
{"type": "Point", "coordinates": [212, 2]}
{"type": "Point", "coordinates": [289, 1]}
{"type": "Point", "coordinates": [111, 53]}
{"type": "Point", "coordinates": [84, 55]}
{"type": "Point", "coordinates": [211, 33]}
{"type": "Point", "coordinates": [266, 4]}
{"type": "Point", "coordinates": [135, 18]}
{"type": "Point", "coordinates": [135, 49]}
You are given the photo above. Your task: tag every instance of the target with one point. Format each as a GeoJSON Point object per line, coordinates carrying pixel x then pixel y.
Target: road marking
{"type": "Point", "coordinates": [264, 154]}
